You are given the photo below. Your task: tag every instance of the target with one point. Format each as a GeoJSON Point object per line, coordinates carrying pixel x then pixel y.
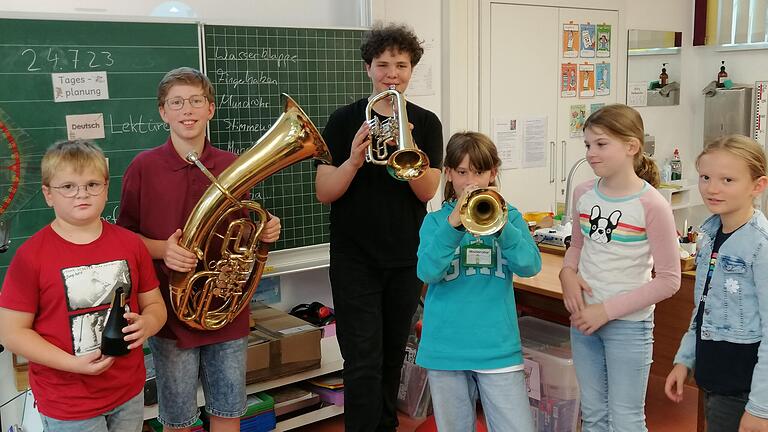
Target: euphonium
{"type": "Point", "coordinates": [407, 162]}
{"type": "Point", "coordinates": [220, 232]}
{"type": "Point", "coordinates": [483, 211]}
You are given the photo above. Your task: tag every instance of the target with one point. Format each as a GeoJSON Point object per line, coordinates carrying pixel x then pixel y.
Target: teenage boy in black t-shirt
{"type": "Point", "coordinates": [375, 221]}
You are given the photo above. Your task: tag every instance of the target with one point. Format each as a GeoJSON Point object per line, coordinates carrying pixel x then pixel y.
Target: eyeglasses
{"type": "Point", "coordinates": [70, 190]}
{"type": "Point", "coordinates": [177, 103]}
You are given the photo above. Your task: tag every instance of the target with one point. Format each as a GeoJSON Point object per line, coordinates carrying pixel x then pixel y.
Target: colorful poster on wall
{"type": "Point", "coordinates": [578, 116]}
{"type": "Point", "coordinates": [594, 107]}
{"type": "Point", "coordinates": [602, 79]}
{"type": "Point", "coordinates": [568, 80]}
{"type": "Point", "coordinates": [603, 40]}
{"type": "Point", "coordinates": [586, 80]}
{"type": "Point", "coordinates": [570, 40]}
{"type": "Point", "coordinates": [587, 32]}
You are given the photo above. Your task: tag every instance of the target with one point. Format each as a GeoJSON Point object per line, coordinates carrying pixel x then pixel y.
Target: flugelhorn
{"type": "Point", "coordinates": [483, 211]}
{"type": "Point", "coordinates": [405, 163]}
{"type": "Point", "coordinates": [220, 232]}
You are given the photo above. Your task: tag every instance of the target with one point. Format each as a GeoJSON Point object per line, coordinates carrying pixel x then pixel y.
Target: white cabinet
{"type": "Point", "coordinates": [520, 62]}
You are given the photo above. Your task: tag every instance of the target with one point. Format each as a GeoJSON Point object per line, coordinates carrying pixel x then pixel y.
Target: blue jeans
{"type": "Point", "coordinates": [219, 367]}
{"type": "Point", "coordinates": [127, 417]}
{"type": "Point", "coordinates": [612, 367]}
{"type": "Point", "coordinates": [504, 398]}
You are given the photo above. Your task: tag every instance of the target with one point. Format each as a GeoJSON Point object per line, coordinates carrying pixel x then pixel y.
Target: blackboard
{"type": "Point", "coordinates": [250, 67]}
{"type": "Point", "coordinates": [134, 56]}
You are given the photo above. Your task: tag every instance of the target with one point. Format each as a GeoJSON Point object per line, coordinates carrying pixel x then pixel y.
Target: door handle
{"type": "Point", "coordinates": [552, 162]}
{"type": "Point", "coordinates": [563, 167]}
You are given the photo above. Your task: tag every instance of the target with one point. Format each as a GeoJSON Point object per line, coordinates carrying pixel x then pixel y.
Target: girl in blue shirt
{"type": "Point", "coordinates": [470, 340]}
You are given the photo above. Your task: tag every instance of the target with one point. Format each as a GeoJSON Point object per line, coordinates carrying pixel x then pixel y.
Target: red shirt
{"type": "Point", "coordinates": [69, 288]}
{"type": "Point", "coordinates": [160, 189]}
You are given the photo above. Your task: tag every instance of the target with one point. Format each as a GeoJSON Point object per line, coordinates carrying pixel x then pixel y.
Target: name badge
{"type": "Point", "coordinates": [478, 255]}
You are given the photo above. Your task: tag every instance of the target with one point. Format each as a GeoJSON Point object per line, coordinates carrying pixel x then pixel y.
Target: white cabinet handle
{"type": "Point", "coordinates": [552, 168]}
{"type": "Point", "coordinates": [563, 167]}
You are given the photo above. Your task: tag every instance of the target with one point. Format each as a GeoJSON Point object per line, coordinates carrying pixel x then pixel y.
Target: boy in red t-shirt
{"type": "Point", "coordinates": [160, 189]}
{"type": "Point", "coordinates": [57, 294]}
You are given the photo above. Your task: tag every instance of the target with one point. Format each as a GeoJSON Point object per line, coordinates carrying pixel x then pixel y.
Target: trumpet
{"type": "Point", "coordinates": [483, 211]}
{"type": "Point", "coordinates": [407, 162]}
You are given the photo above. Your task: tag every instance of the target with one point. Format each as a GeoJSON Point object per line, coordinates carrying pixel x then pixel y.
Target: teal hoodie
{"type": "Point", "coordinates": [470, 319]}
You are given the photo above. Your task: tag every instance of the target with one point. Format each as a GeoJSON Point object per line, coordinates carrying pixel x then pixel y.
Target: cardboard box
{"type": "Point", "coordinates": [280, 344]}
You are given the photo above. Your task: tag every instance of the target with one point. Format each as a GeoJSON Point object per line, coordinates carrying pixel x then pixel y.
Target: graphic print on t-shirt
{"type": "Point", "coordinates": [601, 228]}
{"type": "Point", "coordinates": [90, 289]}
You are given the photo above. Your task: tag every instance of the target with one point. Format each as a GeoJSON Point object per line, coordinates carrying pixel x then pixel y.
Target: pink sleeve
{"type": "Point", "coordinates": [662, 238]}
{"type": "Point", "coordinates": [573, 254]}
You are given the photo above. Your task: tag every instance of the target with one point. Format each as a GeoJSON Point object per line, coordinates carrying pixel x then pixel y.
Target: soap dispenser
{"type": "Point", "coordinates": [722, 75]}
{"type": "Point", "coordinates": [663, 77]}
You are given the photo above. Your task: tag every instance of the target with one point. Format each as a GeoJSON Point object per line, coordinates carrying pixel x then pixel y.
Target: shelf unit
{"type": "Point", "coordinates": [331, 361]}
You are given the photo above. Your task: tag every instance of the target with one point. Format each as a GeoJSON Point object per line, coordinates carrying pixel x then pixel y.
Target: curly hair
{"type": "Point", "coordinates": [397, 37]}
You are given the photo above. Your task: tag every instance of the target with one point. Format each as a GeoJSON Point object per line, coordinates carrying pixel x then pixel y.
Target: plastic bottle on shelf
{"type": "Point", "coordinates": [676, 166]}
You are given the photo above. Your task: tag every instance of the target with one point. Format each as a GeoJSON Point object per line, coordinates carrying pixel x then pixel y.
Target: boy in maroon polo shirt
{"type": "Point", "coordinates": [160, 189]}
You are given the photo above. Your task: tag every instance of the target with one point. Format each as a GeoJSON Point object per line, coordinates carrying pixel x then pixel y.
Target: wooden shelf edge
{"type": "Point", "coordinates": [310, 417]}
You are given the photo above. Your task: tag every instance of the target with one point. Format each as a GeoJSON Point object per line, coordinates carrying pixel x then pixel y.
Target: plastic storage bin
{"type": "Point", "coordinates": [555, 402]}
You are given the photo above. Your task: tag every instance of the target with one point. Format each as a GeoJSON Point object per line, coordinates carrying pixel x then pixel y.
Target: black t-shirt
{"type": "Point", "coordinates": [378, 217]}
{"type": "Point", "coordinates": [721, 367]}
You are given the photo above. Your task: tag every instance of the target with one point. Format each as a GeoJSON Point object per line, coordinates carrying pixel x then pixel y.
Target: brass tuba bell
{"type": "Point", "coordinates": [220, 232]}
{"type": "Point", "coordinates": [407, 162]}
{"type": "Point", "coordinates": [483, 211]}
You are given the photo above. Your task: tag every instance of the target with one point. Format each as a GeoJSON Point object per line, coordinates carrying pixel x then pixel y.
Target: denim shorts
{"type": "Point", "coordinates": [127, 417]}
{"type": "Point", "coordinates": [220, 368]}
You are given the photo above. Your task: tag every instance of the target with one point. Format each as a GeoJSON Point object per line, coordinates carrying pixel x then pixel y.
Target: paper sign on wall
{"type": "Point", "coordinates": [570, 40]}
{"type": "Point", "coordinates": [79, 86]}
{"type": "Point", "coordinates": [85, 126]}
{"type": "Point", "coordinates": [603, 79]}
{"type": "Point", "coordinates": [603, 40]}
{"type": "Point", "coordinates": [568, 80]}
{"type": "Point", "coordinates": [587, 32]}
{"type": "Point", "coordinates": [586, 80]}
{"type": "Point", "coordinates": [637, 93]}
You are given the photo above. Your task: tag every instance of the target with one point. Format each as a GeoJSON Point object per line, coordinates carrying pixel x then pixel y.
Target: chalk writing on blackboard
{"type": "Point", "coordinates": [222, 53]}
{"type": "Point", "coordinates": [224, 77]}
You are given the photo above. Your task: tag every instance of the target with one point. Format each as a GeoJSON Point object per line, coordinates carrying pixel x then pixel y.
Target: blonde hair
{"type": "Point", "coordinates": [184, 76]}
{"type": "Point", "coordinates": [482, 156]}
{"type": "Point", "coordinates": [742, 147]}
{"type": "Point", "coordinates": [78, 155]}
{"type": "Point", "coordinates": [625, 123]}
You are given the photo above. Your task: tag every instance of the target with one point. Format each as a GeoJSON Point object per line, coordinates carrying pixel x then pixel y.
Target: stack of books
{"type": "Point", "coordinates": [292, 398]}
{"type": "Point", "coordinates": [260, 414]}
{"type": "Point", "coordinates": [329, 387]}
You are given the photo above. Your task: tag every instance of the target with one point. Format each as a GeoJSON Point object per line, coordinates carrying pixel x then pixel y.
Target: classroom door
{"type": "Point", "coordinates": [520, 65]}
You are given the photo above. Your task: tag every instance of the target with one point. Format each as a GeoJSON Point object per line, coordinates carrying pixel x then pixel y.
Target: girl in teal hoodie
{"type": "Point", "coordinates": [470, 340]}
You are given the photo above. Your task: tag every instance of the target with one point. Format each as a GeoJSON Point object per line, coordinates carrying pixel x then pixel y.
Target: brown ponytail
{"type": "Point", "coordinates": [646, 169]}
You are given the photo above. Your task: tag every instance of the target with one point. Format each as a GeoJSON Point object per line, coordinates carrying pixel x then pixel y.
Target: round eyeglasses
{"type": "Point", "coordinates": [177, 103]}
{"type": "Point", "coordinates": [70, 190]}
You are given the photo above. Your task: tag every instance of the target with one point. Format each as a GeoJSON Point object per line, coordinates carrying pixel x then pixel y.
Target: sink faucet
{"type": "Point", "coordinates": [567, 217]}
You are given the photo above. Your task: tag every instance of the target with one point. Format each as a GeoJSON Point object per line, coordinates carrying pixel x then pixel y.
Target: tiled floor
{"type": "Point", "coordinates": [663, 415]}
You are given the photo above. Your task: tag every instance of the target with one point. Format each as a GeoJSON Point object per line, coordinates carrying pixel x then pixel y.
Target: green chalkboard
{"type": "Point", "coordinates": [250, 67]}
{"type": "Point", "coordinates": [132, 56]}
